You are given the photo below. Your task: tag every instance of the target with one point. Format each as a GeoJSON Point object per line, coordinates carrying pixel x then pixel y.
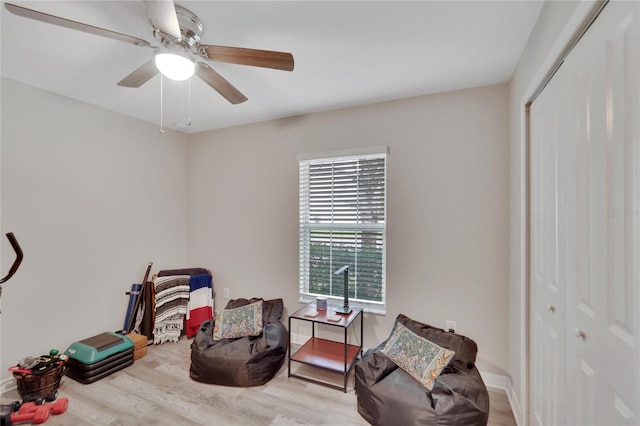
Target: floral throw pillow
{"type": "Point", "coordinates": [422, 359]}
{"type": "Point", "coordinates": [239, 322]}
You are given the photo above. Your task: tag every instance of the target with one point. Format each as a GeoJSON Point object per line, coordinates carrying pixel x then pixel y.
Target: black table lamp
{"type": "Point", "coordinates": [345, 309]}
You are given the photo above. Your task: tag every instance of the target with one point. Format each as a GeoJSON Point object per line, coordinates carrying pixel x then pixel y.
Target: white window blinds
{"type": "Point", "coordinates": [343, 222]}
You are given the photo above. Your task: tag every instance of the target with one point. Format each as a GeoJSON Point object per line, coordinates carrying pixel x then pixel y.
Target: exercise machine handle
{"type": "Point", "coordinates": [19, 256]}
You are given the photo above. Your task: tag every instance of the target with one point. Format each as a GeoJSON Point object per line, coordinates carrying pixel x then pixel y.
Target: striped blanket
{"type": "Point", "coordinates": [200, 306]}
{"type": "Point", "coordinates": [172, 298]}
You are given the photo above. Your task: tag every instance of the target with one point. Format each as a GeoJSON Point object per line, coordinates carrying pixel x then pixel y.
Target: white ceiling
{"type": "Point", "coordinates": [346, 53]}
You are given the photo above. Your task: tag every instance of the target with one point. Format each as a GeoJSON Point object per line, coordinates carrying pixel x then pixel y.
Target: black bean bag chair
{"type": "Point", "coordinates": [387, 395]}
{"type": "Point", "coordinates": [244, 361]}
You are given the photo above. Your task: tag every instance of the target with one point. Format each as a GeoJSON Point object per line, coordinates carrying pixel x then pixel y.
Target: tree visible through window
{"type": "Point", "coordinates": [342, 222]}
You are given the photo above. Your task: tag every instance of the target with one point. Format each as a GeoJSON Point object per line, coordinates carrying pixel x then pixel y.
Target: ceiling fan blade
{"type": "Point", "coordinates": [219, 84]}
{"type": "Point", "coordinates": [74, 25]}
{"type": "Point", "coordinates": [140, 76]}
{"type": "Point", "coordinates": [162, 14]}
{"type": "Point", "coordinates": [252, 57]}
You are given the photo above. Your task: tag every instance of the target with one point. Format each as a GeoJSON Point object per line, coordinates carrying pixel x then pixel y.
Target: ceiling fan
{"type": "Point", "coordinates": [180, 54]}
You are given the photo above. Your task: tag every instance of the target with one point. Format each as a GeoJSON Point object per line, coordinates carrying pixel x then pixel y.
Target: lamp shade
{"type": "Point", "coordinates": [174, 66]}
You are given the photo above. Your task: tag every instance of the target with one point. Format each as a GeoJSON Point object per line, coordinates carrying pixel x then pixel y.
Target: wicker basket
{"type": "Point", "coordinates": [34, 386]}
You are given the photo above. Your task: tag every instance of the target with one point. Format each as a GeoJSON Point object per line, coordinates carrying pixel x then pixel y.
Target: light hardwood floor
{"type": "Point", "coordinates": [157, 390]}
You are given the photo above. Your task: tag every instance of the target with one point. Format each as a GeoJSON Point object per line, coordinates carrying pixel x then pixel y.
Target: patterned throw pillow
{"type": "Point", "coordinates": [422, 359]}
{"type": "Point", "coordinates": [239, 322]}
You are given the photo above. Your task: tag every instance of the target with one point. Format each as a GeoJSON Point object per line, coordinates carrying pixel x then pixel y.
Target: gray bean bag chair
{"type": "Point", "coordinates": [387, 395]}
{"type": "Point", "coordinates": [244, 361]}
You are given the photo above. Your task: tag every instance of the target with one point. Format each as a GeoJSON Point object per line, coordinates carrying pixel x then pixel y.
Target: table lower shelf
{"type": "Point", "coordinates": [327, 354]}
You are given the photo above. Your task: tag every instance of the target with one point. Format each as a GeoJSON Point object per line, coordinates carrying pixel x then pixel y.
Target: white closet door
{"type": "Point", "coordinates": [588, 120]}
{"type": "Point", "coordinates": [585, 157]}
{"type": "Point", "coordinates": [547, 268]}
{"type": "Point", "coordinates": [602, 279]}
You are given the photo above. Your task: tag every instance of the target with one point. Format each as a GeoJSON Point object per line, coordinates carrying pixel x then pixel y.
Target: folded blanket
{"type": "Point", "coordinates": [185, 271]}
{"type": "Point", "coordinates": [171, 300]}
{"type": "Point", "coordinates": [200, 306]}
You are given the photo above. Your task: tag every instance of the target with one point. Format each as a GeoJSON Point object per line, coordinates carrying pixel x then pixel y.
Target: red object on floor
{"type": "Point", "coordinates": [30, 412]}
{"type": "Point", "coordinates": [58, 407]}
{"type": "Point", "coordinates": [39, 415]}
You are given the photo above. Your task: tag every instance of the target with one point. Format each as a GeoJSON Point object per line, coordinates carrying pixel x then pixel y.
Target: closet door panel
{"type": "Point", "coordinates": [584, 162]}
{"type": "Point", "coordinates": [603, 284]}
{"type": "Point", "coordinates": [547, 285]}
{"type": "Point", "coordinates": [586, 386]}
{"type": "Point", "coordinates": [620, 310]}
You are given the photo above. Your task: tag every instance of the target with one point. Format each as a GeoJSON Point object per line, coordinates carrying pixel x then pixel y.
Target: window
{"type": "Point", "coordinates": [343, 222]}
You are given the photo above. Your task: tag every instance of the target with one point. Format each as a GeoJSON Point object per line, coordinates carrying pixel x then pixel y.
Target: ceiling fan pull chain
{"type": "Point", "coordinates": [189, 107]}
{"type": "Point", "coordinates": [161, 97]}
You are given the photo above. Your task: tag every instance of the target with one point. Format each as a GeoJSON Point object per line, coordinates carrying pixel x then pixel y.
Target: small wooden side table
{"type": "Point", "coordinates": [330, 355]}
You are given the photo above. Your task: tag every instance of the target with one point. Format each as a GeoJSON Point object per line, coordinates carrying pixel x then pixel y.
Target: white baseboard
{"type": "Point", "coordinates": [298, 339]}
{"type": "Point", "coordinates": [8, 385]}
{"type": "Point", "coordinates": [515, 405]}
{"type": "Point", "coordinates": [496, 381]}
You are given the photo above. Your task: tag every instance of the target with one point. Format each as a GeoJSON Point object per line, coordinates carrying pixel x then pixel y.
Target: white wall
{"type": "Point", "coordinates": [557, 23]}
{"type": "Point", "coordinates": [92, 197]}
{"type": "Point", "coordinates": [447, 252]}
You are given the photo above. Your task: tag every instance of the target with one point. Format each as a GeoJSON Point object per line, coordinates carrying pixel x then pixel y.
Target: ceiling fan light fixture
{"type": "Point", "coordinates": [174, 66]}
